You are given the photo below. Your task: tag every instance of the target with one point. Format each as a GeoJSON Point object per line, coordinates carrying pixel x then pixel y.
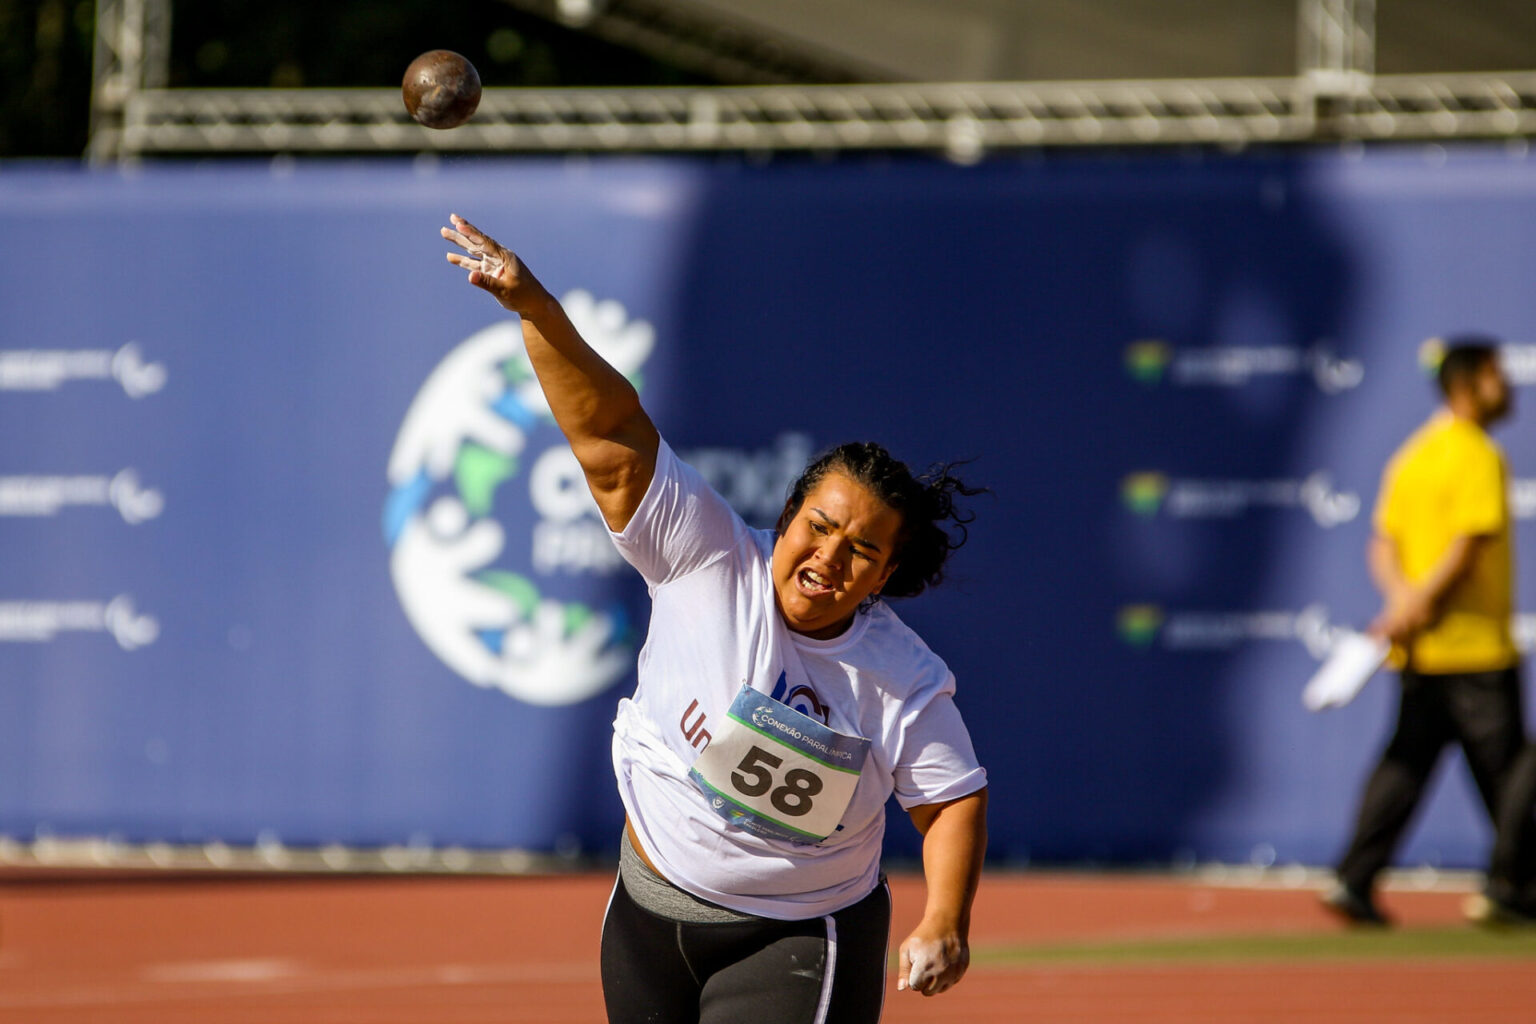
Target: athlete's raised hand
{"type": "Point", "coordinates": [492, 266]}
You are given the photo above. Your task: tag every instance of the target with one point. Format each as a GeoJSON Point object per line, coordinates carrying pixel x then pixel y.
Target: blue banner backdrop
{"type": "Point", "coordinates": [291, 550]}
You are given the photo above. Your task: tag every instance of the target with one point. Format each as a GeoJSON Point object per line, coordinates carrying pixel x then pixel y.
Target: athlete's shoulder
{"type": "Point", "coordinates": [762, 542]}
{"type": "Point", "coordinates": [907, 665]}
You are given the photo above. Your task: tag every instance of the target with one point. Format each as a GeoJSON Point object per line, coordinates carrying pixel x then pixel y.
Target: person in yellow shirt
{"type": "Point", "coordinates": [1442, 557]}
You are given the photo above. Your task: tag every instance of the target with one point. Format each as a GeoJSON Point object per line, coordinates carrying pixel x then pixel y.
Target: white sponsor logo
{"type": "Point", "coordinates": [48, 370]}
{"type": "Point", "coordinates": [43, 621]}
{"type": "Point", "coordinates": [1236, 366]}
{"type": "Point", "coordinates": [1224, 630]}
{"type": "Point", "coordinates": [1524, 631]}
{"type": "Point", "coordinates": [754, 483]}
{"type": "Point", "coordinates": [1224, 499]}
{"type": "Point", "coordinates": [569, 535]}
{"type": "Point", "coordinates": [1311, 626]}
{"type": "Point", "coordinates": [49, 495]}
{"type": "Point", "coordinates": [1519, 362]}
{"type": "Point", "coordinates": [1522, 499]}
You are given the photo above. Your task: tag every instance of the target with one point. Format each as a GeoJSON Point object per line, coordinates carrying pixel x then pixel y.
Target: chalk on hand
{"type": "Point", "coordinates": [924, 967]}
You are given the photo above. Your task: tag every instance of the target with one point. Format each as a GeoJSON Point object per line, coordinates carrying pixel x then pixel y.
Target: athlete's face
{"type": "Point", "coordinates": [835, 552]}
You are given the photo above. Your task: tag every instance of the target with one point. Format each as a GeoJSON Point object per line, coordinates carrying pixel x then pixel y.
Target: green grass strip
{"type": "Point", "coordinates": [1419, 943]}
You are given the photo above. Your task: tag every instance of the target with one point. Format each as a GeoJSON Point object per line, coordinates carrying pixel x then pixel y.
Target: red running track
{"type": "Point", "coordinates": [483, 950]}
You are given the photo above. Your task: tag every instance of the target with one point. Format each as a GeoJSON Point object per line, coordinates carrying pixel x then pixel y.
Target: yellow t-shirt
{"type": "Point", "coordinates": [1448, 480]}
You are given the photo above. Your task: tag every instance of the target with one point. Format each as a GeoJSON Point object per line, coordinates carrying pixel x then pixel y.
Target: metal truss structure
{"type": "Point", "coordinates": [131, 55]}
{"type": "Point", "coordinates": [1333, 97]}
{"type": "Point", "coordinates": [1336, 40]}
{"type": "Point", "coordinates": [963, 121]}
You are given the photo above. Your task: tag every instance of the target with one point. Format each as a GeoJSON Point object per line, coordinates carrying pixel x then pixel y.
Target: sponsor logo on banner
{"type": "Point", "coordinates": [1147, 360]}
{"type": "Point", "coordinates": [1138, 624]}
{"type": "Point", "coordinates": [488, 602]}
{"type": "Point", "coordinates": [1149, 493]}
{"type": "Point", "coordinates": [48, 370]}
{"type": "Point", "coordinates": [44, 621]}
{"type": "Point", "coordinates": [1431, 355]}
{"type": "Point", "coordinates": [1522, 499]}
{"type": "Point", "coordinates": [1525, 633]}
{"type": "Point", "coordinates": [755, 484]}
{"type": "Point", "coordinates": [45, 496]}
{"type": "Point", "coordinates": [1519, 363]}
{"type": "Point", "coordinates": [1149, 625]}
{"type": "Point", "coordinates": [1154, 361]}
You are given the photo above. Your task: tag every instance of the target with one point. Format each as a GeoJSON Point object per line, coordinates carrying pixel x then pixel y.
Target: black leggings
{"type": "Point", "coordinates": [826, 969]}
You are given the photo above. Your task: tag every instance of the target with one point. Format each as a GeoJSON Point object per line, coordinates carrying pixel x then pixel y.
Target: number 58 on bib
{"type": "Point", "coordinates": [778, 773]}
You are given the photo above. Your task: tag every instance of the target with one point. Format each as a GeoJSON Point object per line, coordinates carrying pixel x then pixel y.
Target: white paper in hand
{"type": "Point", "coordinates": [1354, 659]}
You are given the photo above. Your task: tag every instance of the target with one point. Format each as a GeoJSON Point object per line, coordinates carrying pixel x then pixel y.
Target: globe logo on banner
{"type": "Point", "coordinates": [483, 598]}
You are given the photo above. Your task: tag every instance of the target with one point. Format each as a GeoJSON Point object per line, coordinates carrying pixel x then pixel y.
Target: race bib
{"type": "Point", "coordinates": [778, 773]}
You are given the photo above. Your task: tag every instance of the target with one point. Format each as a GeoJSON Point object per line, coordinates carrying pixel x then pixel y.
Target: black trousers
{"type": "Point", "coordinates": [1512, 867]}
{"type": "Point", "coordinates": [825, 969]}
{"type": "Point", "coordinates": [1480, 711]}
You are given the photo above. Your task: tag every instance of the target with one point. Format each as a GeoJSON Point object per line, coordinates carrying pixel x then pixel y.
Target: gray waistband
{"type": "Point", "coordinates": [662, 898]}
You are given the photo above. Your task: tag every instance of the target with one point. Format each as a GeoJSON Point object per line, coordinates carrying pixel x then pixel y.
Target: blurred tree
{"type": "Point", "coordinates": [45, 76]}
{"type": "Point", "coordinates": [46, 45]}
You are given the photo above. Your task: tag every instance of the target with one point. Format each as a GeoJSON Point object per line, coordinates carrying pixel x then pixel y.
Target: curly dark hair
{"type": "Point", "coordinates": [926, 503]}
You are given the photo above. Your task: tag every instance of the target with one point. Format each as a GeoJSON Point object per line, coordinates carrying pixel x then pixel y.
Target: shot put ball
{"type": "Point", "coordinates": [441, 89]}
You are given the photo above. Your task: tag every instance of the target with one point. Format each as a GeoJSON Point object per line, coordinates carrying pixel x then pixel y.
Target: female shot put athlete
{"type": "Point", "coordinates": [779, 706]}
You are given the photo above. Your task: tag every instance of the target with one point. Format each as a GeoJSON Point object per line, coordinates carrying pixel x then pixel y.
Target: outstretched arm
{"type": "Point", "coordinates": [595, 407]}
{"type": "Point", "coordinates": [935, 956]}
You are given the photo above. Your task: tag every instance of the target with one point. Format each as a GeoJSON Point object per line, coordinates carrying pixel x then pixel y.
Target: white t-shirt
{"type": "Point", "coordinates": [715, 626]}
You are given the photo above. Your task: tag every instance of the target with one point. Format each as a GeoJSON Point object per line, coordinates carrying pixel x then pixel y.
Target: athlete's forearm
{"type": "Point", "coordinates": [954, 845]}
{"type": "Point", "coordinates": [590, 399]}
{"type": "Point", "coordinates": [595, 407]}
{"type": "Point", "coordinates": [937, 953]}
